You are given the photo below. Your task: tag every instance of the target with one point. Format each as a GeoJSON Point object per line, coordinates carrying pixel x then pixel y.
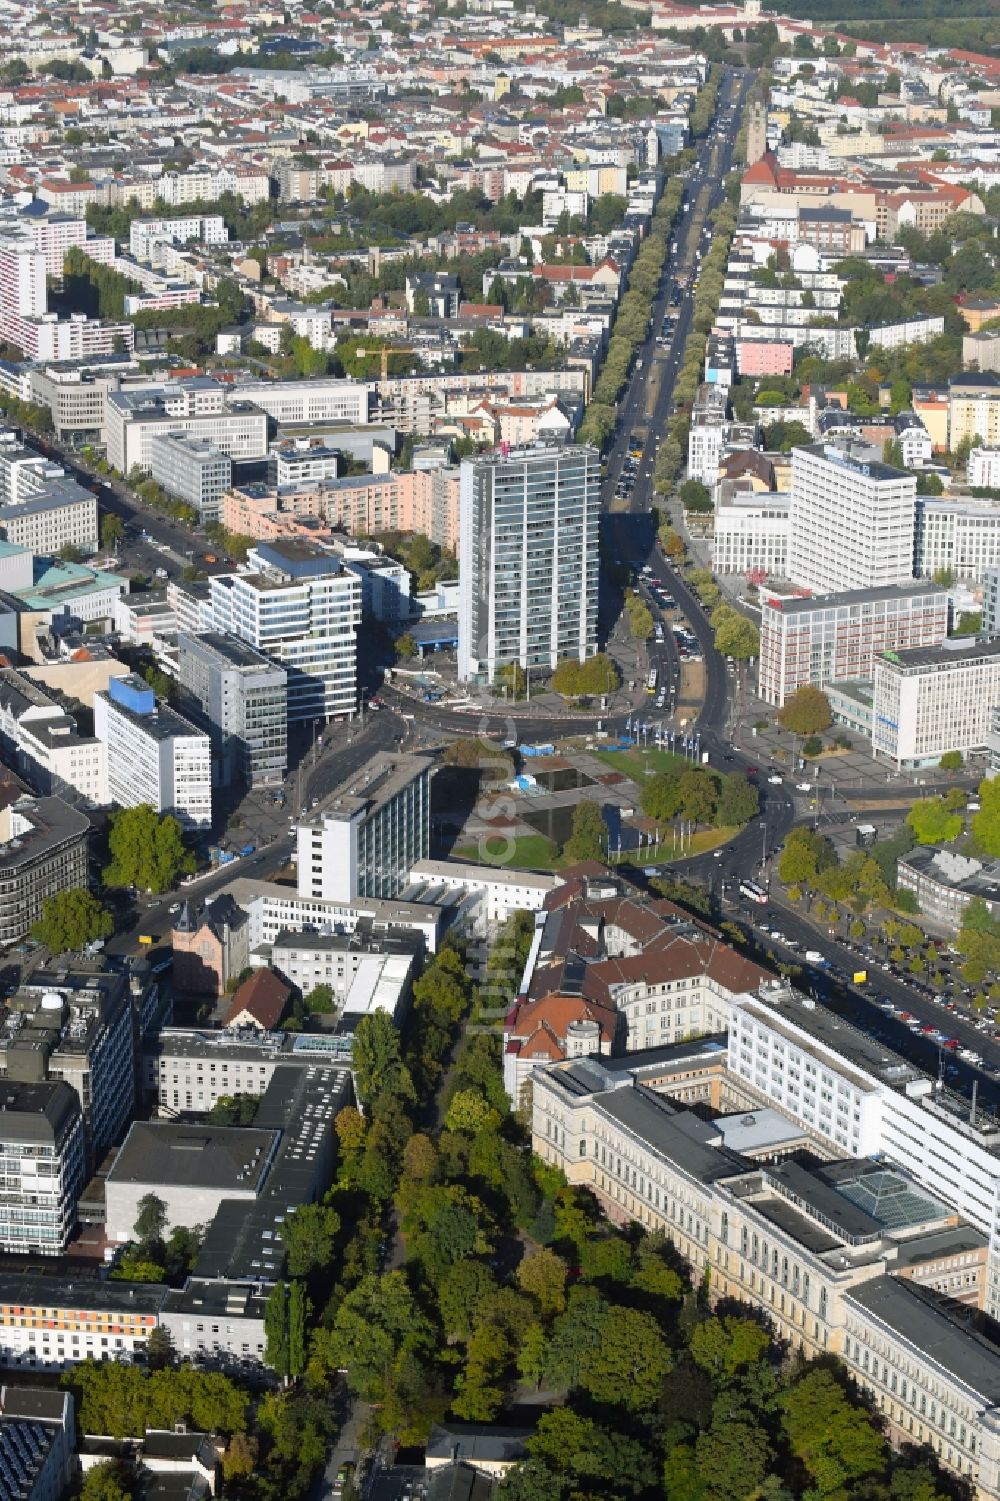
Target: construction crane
{"type": "Point", "coordinates": [386, 352]}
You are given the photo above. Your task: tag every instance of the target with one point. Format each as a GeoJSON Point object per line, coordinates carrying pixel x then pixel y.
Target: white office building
{"type": "Point", "coordinates": [528, 559]}
{"type": "Point", "coordinates": [961, 536]}
{"type": "Point", "coordinates": [819, 639]}
{"type": "Point", "coordinates": [192, 469]}
{"type": "Point", "coordinates": [200, 406]}
{"type": "Point", "coordinates": [367, 835]}
{"type": "Point", "coordinates": [152, 754]}
{"type": "Point", "coordinates": [751, 532]}
{"type": "Point", "coordinates": [243, 698]}
{"type": "Point", "coordinates": [302, 607]}
{"type": "Point", "coordinates": [935, 700]}
{"type": "Point", "coordinates": [851, 519]}
{"type": "Point", "coordinates": [304, 401]}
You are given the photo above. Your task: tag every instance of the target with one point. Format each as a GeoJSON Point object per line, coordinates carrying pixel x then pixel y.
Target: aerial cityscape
{"type": "Point", "coordinates": [500, 751]}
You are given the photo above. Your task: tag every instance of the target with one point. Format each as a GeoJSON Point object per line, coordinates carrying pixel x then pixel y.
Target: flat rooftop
{"type": "Point", "coordinates": [232, 1158]}
{"type": "Point", "coordinates": [934, 1336]}
{"type": "Point", "coordinates": [797, 605]}
{"type": "Point", "coordinates": [782, 1009]}
{"type": "Point", "coordinates": [378, 783]}
{"type": "Point", "coordinates": [940, 658]}
{"type": "Point", "coordinates": [31, 1290]}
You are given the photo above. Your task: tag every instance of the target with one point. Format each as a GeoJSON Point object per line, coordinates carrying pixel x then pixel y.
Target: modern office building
{"type": "Point", "coordinates": [41, 1144]}
{"type": "Point", "coordinates": [820, 638]}
{"type": "Point", "coordinates": [366, 835]}
{"type": "Point", "coordinates": [76, 1024]}
{"type": "Point", "coordinates": [199, 406]}
{"type": "Point", "coordinates": [991, 602]}
{"type": "Point", "coordinates": [935, 700]}
{"type": "Point", "coordinates": [44, 742]}
{"type": "Point", "coordinates": [242, 697]}
{"type": "Point", "coordinates": [192, 469]}
{"type": "Point", "coordinates": [59, 514]}
{"type": "Point", "coordinates": [51, 1323]}
{"type": "Point", "coordinates": [851, 519]}
{"type": "Point", "coordinates": [958, 535]}
{"type": "Point", "coordinates": [300, 605]}
{"type": "Point", "coordinates": [152, 754]}
{"type": "Point", "coordinates": [43, 850]}
{"type": "Point", "coordinates": [528, 559]}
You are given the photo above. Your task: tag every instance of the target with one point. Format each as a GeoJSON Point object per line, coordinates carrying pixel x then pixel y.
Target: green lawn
{"type": "Point", "coordinates": [639, 763]}
{"type": "Point", "coordinates": [703, 841]}
{"type": "Point", "coordinates": [528, 852]}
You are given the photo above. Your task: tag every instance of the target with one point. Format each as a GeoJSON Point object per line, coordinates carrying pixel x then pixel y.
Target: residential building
{"type": "Point", "coordinates": [41, 1137]}
{"type": "Point", "coordinates": [301, 606]}
{"type": "Point", "coordinates": [76, 1024]}
{"type": "Point", "coordinates": [310, 401]}
{"type": "Point", "coordinates": [851, 519]}
{"type": "Point", "coordinates": [146, 235]}
{"type": "Point", "coordinates": [528, 559]}
{"type": "Point", "coordinates": [365, 836]}
{"type": "Point", "coordinates": [259, 1002]}
{"type": "Point", "coordinates": [153, 755]}
{"type": "Point", "coordinates": [981, 351]}
{"type": "Point", "coordinates": [820, 638]}
{"type": "Point", "coordinates": [43, 850]}
{"type": "Point", "coordinates": [934, 700]}
{"type": "Point", "coordinates": [242, 696]}
{"type": "Point", "coordinates": [192, 469]}
{"type": "Point", "coordinates": [974, 409]}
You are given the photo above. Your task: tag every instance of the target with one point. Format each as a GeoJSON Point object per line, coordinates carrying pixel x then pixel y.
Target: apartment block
{"type": "Point", "coordinates": [43, 850]}
{"type": "Point", "coordinates": [192, 469]}
{"type": "Point", "coordinates": [301, 606]}
{"type": "Point", "coordinates": [242, 696]}
{"type": "Point", "coordinates": [852, 519]}
{"type": "Point", "coordinates": [153, 755]}
{"type": "Point", "coordinates": [821, 638]}
{"type": "Point", "coordinates": [974, 409]}
{"type": "Point", "coordinates": [366, 836]}
{"type": "Point", "coordinates": [935, 700]}
{"type": "Point", "coordinates": [528, 556]}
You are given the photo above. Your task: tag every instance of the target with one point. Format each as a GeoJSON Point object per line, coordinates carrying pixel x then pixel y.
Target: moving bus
{"type": "Point", "coordinates": [753, 892]}
{"type": "Point", "coordinates": [652, 680]}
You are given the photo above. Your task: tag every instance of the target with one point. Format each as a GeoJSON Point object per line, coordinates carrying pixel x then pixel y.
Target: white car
{"type": "Point", "coordinates": [775, 781]}
{"type": "Point", "coordinates": [805, 786]}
